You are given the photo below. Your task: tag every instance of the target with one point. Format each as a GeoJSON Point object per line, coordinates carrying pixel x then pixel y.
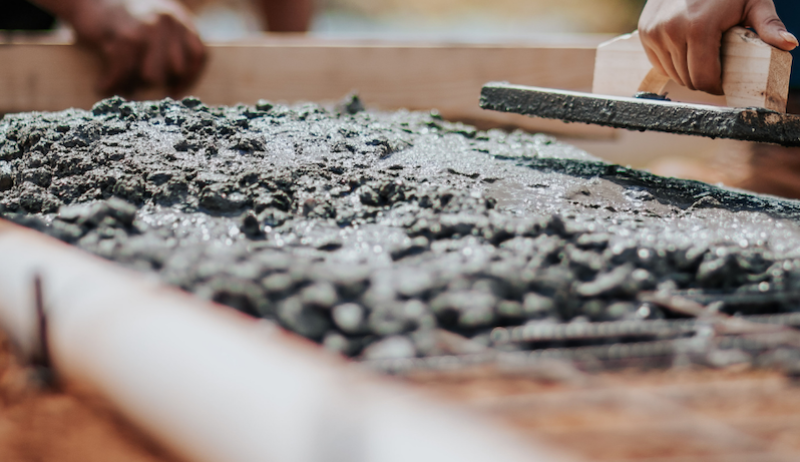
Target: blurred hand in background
{"type": "Point", "coordinates": [142, 42]}
{"type": "Point", "coordinates": [154, 43]}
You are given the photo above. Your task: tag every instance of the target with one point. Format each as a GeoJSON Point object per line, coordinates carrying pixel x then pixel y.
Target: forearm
{"type": "Point", "coordinates": [286, 15]}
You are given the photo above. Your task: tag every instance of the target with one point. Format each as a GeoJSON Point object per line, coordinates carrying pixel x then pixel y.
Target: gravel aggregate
{"type": "Point", "coordinates": [390, 236]}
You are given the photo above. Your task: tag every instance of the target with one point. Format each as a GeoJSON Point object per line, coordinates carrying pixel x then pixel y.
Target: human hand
{"type": "Point", "coordinates": [683, 38]}
{"type": "Point", "coordinates": [143, 42]}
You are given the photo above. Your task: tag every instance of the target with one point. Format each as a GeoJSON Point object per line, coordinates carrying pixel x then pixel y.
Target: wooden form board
{"type": "Point", "coordinates": [753, 73]}
{"type": "Point", "coordinates": [446, 77]}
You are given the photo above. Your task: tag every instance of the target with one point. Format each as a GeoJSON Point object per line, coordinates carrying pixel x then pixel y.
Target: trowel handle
{"type": "Point", "coordinates": [654, 82]}
{"type": "Point", "coordinates": [753, 72]}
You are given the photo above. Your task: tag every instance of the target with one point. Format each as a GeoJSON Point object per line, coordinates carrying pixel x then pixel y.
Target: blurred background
{"type": "Point", "coordinates": [456, 20]}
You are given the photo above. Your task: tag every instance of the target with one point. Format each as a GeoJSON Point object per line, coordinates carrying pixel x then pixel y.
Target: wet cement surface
{"type": "Point", "coordinates": [389, 235]}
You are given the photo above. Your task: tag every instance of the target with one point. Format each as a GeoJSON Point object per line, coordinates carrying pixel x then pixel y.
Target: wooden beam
{"type": "Point", "coordinates": [446, 77]}
{"type": "Point", "coordinates": [753, 73]}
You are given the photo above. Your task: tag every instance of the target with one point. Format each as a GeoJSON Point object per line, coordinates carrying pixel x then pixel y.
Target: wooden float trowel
{"type": "Point", "coordinates": [626, 89]}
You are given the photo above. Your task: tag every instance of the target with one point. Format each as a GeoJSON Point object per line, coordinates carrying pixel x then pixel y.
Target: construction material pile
{"type": "Point", "coordinates": [400, 235]}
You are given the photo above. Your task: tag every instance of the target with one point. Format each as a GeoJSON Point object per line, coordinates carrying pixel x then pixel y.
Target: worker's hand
{"type": "Point", "coordinates": [143, 42]}
{"type": "Point", "coordinates": [683, 38]}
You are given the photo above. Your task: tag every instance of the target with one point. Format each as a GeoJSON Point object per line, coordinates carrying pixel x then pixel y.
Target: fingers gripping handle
{"type": "Point", "coordinates": [754, 74]}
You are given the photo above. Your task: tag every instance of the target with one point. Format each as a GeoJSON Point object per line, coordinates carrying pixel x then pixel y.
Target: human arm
{"type": "Point", "coordinates": [683, 38]}
{"type": "Point", "coordinates": [143, 42]}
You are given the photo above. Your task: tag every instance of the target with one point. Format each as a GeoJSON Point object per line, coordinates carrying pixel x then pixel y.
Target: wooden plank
{"type": "Point", "coordinates": [754, 73]}
{"type": "Point", "coordinates": [447, 77]}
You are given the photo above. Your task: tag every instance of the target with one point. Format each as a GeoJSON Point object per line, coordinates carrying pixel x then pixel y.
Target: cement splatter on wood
{"type": "Point", "coordinates": [389, 235]}
{"type": "Point", "coordinates": [645, 113]}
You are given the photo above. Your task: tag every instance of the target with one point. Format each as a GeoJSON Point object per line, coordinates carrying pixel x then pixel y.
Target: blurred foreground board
{"type": "Point", "coordinates": [388, 76]}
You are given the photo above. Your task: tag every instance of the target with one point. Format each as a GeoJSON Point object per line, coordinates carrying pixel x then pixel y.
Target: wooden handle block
{"type": "Point", "coordinates": [754, 74]}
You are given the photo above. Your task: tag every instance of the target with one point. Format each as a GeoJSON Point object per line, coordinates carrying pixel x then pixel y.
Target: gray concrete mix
{"type": "Point", "coordinates": [388, 235]}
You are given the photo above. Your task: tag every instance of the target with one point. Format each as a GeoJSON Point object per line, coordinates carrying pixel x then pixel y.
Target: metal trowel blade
{"type": "Point", "coordinates": [747, 124]}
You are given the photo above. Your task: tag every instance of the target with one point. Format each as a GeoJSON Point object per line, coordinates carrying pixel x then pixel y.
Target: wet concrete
{"type": "Point", "coordinates": [747, 124]}
{"type": "Point", "coordinates": [388, 235]}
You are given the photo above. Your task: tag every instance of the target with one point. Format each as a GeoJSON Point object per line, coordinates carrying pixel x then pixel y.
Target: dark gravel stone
{"type": "Point", "coordinates": [303, 319]}
{"type": "Point", "coordinates": [244, 295]}
{"type": "Point", "coordinates": [222, 197]}
{"type": "Point", "coordinates": [6, 181]}
{"type": "Point", "coordinates": [465, 309]}
{"type": "Point", "coordinates": [389, 320]}
{"type": "Point", "coordinates": [351, 104]}
{"type": "Point", "coordinates": [250, 225]}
